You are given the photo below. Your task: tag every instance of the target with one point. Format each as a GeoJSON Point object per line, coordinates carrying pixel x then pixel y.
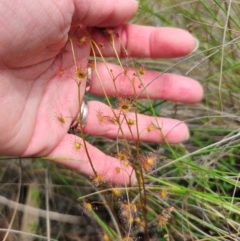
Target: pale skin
{"type": "Point", "coordinates": [33, 96]}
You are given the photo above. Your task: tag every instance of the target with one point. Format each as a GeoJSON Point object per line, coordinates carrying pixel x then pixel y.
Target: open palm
{"type": "Point", "coordinates": [35, 47]}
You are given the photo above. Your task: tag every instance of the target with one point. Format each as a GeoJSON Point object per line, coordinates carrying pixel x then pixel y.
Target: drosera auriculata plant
{"type": "Point", "coordinates": [124, 111]}
{"type": "Point", "coordinates": [174, 197]}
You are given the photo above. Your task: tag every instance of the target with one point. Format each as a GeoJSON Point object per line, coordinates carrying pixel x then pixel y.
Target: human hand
{"type": "Point", "coordinates": [38, 104]}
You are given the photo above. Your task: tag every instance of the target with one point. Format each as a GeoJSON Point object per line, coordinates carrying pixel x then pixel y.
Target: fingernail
{"type": "Point", "coordinates": [196, 45]}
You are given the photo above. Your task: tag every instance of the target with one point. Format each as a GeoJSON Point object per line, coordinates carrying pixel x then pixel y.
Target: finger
{"type": "Point", "coordinates": [145, 41]}
{"type": "Point", "coordinates": [72, 153]}
{"type": "Point", "coordinates": [129, 83]}
{"type": "Point", "coordinates": [102, 122]}
{"type": "Point", "coordinates": [103, 13]}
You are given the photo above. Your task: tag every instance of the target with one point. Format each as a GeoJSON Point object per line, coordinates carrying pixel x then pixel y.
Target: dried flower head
{"type": "Point", "coordinates": [140, 224]}
{"type": "Point", "coordinates": [82, 41]}
{"type": "Point", "coordinates": [165, 216]}
{"type": "Point", "coordinates": [148, 162]}
{"type": "Point", "coordinates": [125, 105]}
{"type": "Point", "coordinates": [161, 221]}
{"type": "Point", "coordinates": [77, 144]}
{"type": "Point", "coordinates": [130, 122]}
{"type": "Point", "coordinates": [128, 210]}
{"type": "Point", "coordinates": [117, 192]}
{"type": "Point", "coordinates": [60, 119]}
{"type": "Point", "coordinates": [100, 116]}
{"type": "Point", "coordinates": [105, 237]}
{"type": "Point", "coordinates": [86, 207]}
{"type": "Point", "coordinates": [99, 179]}
{"type": "Point", "coordinates": [123, 157]}
{"type": "Point", "coordinates": [118, 170]}
{"type": "Point", "coordinates": [150, 127]}
{"type": "Point", "coordinates": [81, 74]}
{"type": "Point", "coordinates": [163, 193]}
{"type": "Point", "coordinates": [141, 70]}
